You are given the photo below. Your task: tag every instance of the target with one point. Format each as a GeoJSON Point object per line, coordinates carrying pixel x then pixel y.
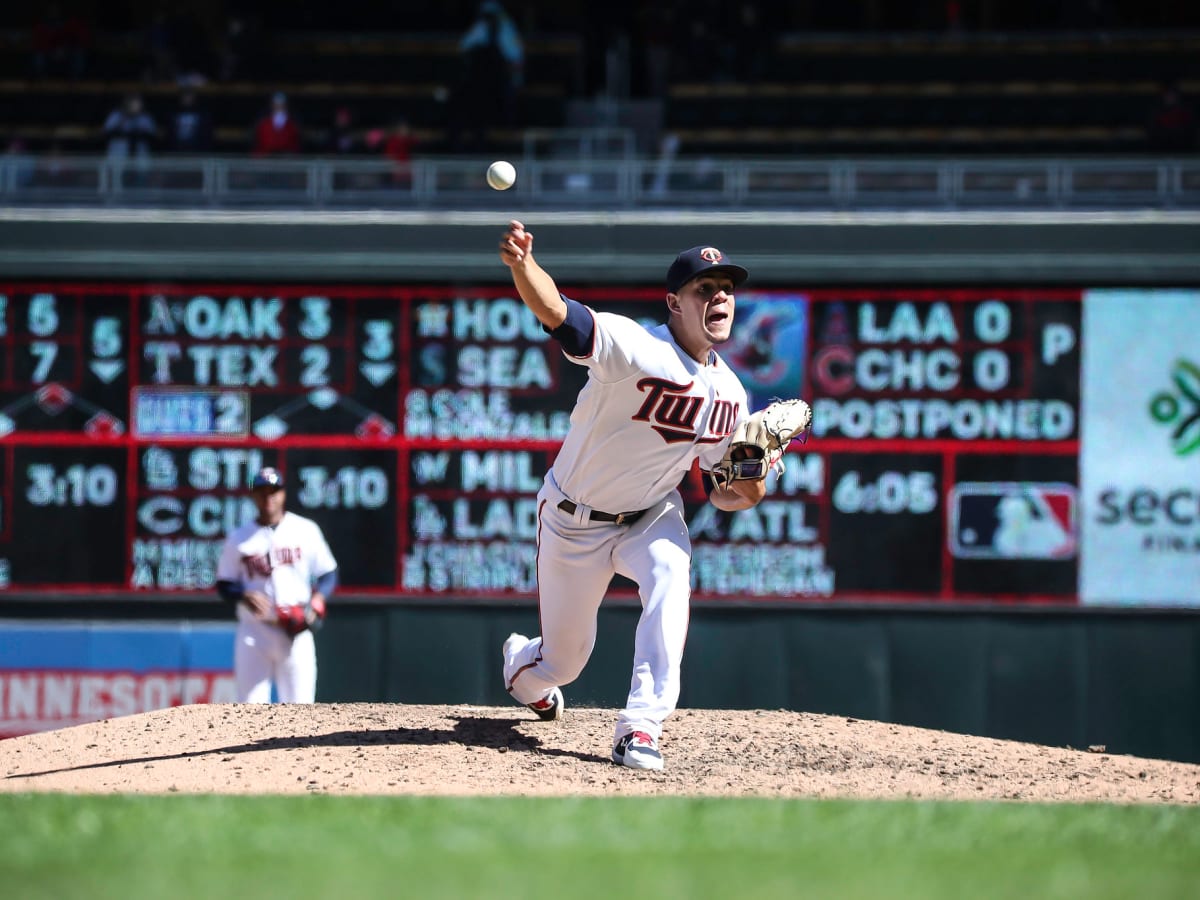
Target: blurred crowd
{"type": "Point", "coordinates": [630, 49]}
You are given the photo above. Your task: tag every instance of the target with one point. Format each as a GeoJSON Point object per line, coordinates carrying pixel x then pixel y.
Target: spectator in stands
{"type": "Point", "coordinates": [131, 133]}
{"type": "Point", "coordinates": [20, 162]}
{"type": "Point", "coordinates": [342, 137]}
{"type": "Point", "coordinates": [277, 133]}
{"type": "Point", "coordinates": [191, 127]}
{"type": "Point", "coordinates": [1171, 125]}
{"type": "Point", "coordinates": [130, 130]}
{"type": "Point", "coordinates": [492, 71]}
{"type": "Point", "coordinates": [61, 44]}
{"type": "Point", "coordinates": [398, 145]}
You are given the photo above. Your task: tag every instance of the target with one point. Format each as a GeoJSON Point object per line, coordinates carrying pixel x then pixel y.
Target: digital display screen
{"type": "Point", "coordinates": [415, 425]}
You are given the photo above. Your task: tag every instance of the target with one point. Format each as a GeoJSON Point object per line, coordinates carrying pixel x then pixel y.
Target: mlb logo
{"type": "Point", "coordinates": [1013, 520]}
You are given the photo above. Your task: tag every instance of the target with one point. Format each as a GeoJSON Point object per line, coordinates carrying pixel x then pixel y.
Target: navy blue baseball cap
{"type": "Point", "coordinates": [702, 261]}
{"type": "Point", "coordinates": [268, 477]}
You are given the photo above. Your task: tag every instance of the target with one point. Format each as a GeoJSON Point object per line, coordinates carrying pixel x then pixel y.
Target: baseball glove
{"type": "Point", "coordinates": [297, 618]}
{"type": "Point", "coordinates": [758, 442]}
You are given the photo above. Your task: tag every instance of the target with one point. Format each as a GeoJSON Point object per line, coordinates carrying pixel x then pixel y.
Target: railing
{"type": "Point", "coordinates": [621, 182]}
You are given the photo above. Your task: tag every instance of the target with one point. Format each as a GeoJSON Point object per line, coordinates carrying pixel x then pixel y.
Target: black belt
{"type": "Point", "coordinates": [625, 518]}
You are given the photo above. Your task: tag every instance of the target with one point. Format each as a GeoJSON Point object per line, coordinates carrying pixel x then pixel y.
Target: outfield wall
{"type": "Point", "coordinates": [1129, 681]}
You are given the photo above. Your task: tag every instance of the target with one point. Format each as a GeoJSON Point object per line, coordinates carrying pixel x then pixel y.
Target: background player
{"type": "Point", "coordinates": [655, 401]}
{"type": "Point", "coordinates": [268, 568]}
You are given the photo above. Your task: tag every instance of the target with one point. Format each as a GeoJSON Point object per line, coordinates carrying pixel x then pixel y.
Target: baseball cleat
{"type": "Point", "coordinates": [637, 750]}
{"type": "Point", "coordinates": [551, 708]}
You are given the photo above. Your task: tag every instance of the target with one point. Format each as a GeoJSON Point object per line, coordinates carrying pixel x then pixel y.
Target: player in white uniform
{"type": "Point", "coordinates": [279, 572]}
{"type": "Point", "coordinates": [656, 400]}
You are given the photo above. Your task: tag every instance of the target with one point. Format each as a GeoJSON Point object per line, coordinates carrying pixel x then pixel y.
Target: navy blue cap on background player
{"type": "Point", "coordinates": [268, 477]}
{"type": "Point", "coordinates": [701, 261]}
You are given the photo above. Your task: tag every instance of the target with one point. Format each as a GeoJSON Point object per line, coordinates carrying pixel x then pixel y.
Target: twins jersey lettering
{"type": "Point", "coordinates": [646, 413]}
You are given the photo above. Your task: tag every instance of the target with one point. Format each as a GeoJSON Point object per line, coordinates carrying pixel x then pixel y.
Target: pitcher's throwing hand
{"type": "Point", "coordinates": [516, 245]}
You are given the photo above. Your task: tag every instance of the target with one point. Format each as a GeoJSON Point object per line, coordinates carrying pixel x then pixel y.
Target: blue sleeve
{"type": "Point", "coordinates": [230, 591]}
{"type": "Point", "coordinates": [577, 331]}
{"type": "Point", "coordinates": [327, 582]}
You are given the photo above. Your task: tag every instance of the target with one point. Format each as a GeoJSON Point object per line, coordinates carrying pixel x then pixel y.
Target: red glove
{"type": "Point", "coordinates": [292, 619]}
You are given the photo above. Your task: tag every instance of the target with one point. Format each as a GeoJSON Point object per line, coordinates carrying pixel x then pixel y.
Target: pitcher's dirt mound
{"type": "Point", "coordinates": [381, 748]}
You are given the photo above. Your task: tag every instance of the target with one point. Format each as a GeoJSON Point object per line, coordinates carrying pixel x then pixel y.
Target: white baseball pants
{"type": "Point", "coordinates": [264, 653]}
{"type": "Point", "coordinates": [576, 562]}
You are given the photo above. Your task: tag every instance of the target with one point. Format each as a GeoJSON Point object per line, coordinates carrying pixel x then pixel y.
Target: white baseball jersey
{"type": "Point", "coordinates": [647, 412]}
{"type": "Point", "coordinates": [281, 562]}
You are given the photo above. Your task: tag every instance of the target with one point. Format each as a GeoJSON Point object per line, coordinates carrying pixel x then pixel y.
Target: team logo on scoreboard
{"type": "Point", "coordinates": [763, 351]}
{"type": "Point", "coordinates": [1013, 520]}
{"type": "Point", "coordinates": [1179, 409]}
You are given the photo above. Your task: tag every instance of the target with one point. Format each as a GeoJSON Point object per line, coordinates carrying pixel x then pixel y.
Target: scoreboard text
{"type": "Point", "coordinates": [416, 424]}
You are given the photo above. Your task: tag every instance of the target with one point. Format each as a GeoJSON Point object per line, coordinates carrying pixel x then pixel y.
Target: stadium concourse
{"type": "Point", "coordinates": [380, 749]}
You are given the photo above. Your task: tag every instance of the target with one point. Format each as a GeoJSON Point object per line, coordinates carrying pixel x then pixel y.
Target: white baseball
{"type": "Point", "coordinates": [501, 175]}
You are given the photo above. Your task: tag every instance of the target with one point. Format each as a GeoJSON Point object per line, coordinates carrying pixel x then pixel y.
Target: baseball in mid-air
{"type": "Point", "coordinates": [501, 175]}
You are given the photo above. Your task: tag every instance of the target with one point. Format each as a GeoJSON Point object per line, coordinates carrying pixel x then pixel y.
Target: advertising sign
{"type": "Point", "coordinates": [57, 675]}
{"type": "Point", "coordinates": [1140, 458]}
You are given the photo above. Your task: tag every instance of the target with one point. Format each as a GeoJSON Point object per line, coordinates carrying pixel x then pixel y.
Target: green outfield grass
{"type": "Point", "coordinates": [65, 846]}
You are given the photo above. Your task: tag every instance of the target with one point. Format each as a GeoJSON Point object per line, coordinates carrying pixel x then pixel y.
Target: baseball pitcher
{"type": "Point", "coordinates": [656, 401]}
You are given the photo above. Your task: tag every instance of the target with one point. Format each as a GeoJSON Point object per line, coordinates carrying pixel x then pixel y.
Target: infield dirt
{"type": "Point", "coordinates": [383, 748]}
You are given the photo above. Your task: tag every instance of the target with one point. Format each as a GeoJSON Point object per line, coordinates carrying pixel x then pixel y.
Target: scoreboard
{"type": "Point", "coordinates": [415, 425]}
